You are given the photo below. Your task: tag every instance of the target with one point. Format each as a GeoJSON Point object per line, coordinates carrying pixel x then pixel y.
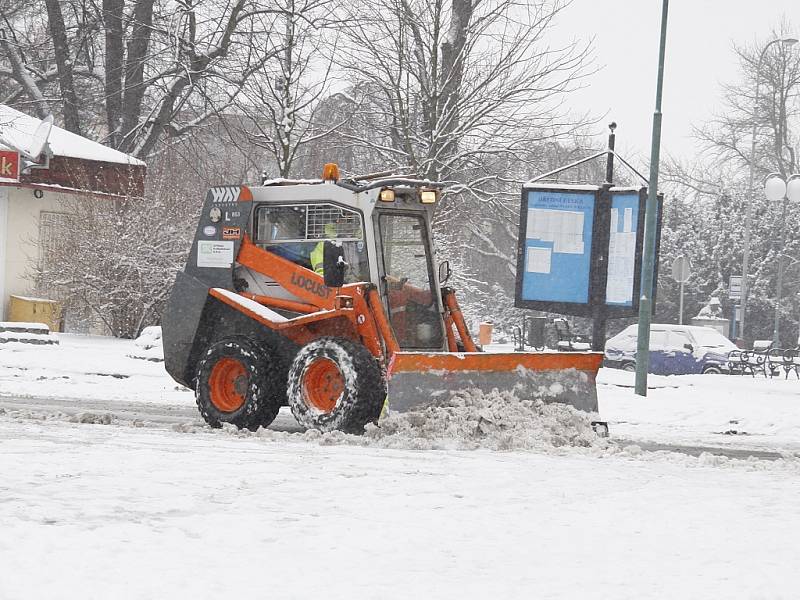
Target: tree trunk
{"type": "Point", "coordinates": [115, 51]}
{"type": "Point", "coordinates": [452, 71]}
{"type": "Point", "coordinates": [138, 45]}
{"type": "Point", "coordinates": [64, 64]}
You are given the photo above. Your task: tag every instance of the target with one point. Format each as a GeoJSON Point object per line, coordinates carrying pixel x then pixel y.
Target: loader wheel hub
{"type": "Point", "coordinates": [228, 384]}
{"type": "Point", "coordinates": [323, 384]}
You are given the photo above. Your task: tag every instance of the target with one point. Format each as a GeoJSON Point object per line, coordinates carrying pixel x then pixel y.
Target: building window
{"type": "Point", "coordinates": [51, 228]}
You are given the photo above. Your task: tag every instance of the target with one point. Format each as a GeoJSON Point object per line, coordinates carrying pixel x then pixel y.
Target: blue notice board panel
{"type": "Point", "coordinates": [622, 249]}
{"type": "Point", "coordinates": [558, 246]}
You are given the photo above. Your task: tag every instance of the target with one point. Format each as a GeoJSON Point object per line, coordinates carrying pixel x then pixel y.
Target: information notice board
{"type": "Point", "coordinates": [558, 244]}
{"type": "Point", "coordinates": [622, 248]}
{"type": "Point", "coordinates": [580, 247]}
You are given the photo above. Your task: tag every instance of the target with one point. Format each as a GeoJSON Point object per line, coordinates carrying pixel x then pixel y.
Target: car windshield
{"type": "Point", "coordinates": [625, 340]}
{"type": "Point", "coordinates": [710, 338]}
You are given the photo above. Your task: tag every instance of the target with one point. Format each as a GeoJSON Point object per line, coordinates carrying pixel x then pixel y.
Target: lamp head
{"type": "Point", "coordinates": [793, 189]}
{"type": "Point", "coordinates": [775, 187]}
{"type": "Point", "coordinates": [787, 42]}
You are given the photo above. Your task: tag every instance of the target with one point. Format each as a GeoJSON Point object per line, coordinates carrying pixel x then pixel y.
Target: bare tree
{"type": "Point", "coordinates": [117, 259]}
{"type": "Point", "coordinates": [458, 91]}
{"type": "Point", "coordinates": [280, 103]}
{"type": "Point", "coordinates": [777, 115]}
{"type": "Point", "coordinates": [157, 71]}
{"type": "Point", "coordinates": [454, 82]}
{"type": "Point", "coordinates": [710, 195]}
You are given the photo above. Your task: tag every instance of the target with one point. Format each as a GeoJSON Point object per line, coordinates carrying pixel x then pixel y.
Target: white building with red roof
{"type": "Point", "coordinates": [41, 166]}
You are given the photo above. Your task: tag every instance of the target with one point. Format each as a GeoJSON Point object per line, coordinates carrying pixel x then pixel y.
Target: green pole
{"type": "Point", "coordinates": [648, 259]}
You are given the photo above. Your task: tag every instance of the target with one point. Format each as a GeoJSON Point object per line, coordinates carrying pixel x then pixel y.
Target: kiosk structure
{"type": "Point", "coordinates": [580, 247]}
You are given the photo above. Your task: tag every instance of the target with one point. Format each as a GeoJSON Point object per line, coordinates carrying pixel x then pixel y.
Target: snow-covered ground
{"type": "Point", "coordinates": [688, 409]}
{"type": "Point", "coordinates": [97, 512]}
{"type": "Point", "coordinates": [87, 368]}
{"type": "Point", "coordinates": [718, 410]}
{"type": "Point", "coordinates": [102, 508]}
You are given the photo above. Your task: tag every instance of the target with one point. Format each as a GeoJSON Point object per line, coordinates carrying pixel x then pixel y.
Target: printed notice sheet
{"type": "Point", "coordinates": [562, 227]}
{"type": "Point", "coordinates": [538, 260]}
{"type": "Point", "coordinates": [621, 257]}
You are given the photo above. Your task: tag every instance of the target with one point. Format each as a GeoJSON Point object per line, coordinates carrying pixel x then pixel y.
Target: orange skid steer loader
{"type": "Point", "coordinates": [322, 295]}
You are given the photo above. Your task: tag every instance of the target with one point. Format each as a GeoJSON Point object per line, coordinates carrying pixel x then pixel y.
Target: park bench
{"type": "Point", "coordinates": [764, 359]}
{"type": "Point", "coordinates": [744, 362]}
{"type": "Point", "coordinates": [567, 341]}
{"type": "Point", "coordinates": [790, 361]}
{"type": "Point", "coordinates": [737, 363]}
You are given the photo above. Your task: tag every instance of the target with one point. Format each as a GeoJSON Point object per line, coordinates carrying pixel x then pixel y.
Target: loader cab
{"type": "Point", "coordinates": [409, 285]}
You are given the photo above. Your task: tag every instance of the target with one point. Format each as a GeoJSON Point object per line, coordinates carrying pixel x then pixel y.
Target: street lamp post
{"type": "Point", "coordinates": [798, 321]}
{"type": "Point", "coordinates": [776, 188]}
{"type": "Point", "coordinates": [748, 218]}
{"type": "Point", "coordinates": [650, 224]}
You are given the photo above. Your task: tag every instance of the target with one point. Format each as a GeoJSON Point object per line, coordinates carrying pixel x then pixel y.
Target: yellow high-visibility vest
{"type": "Point", "coordinates": [317, 258]}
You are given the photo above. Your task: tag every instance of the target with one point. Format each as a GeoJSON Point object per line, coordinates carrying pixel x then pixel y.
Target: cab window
{"type": "Point", "coordinates": [413, 307]}
{"type": "Point", "coordinates": [297, 233]}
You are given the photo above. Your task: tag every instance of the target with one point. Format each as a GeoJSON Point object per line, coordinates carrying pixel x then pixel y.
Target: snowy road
{"type": "Point", "coordinates": [111, 487]}
{"type": "Point", "coordinates": [96, 373]}
{"type": "Point", "coordinates": [121, 412]}
{"type": "Point", "coordinates": [154, 415]}
{"type": "Point", "coordinates": [93, 511]}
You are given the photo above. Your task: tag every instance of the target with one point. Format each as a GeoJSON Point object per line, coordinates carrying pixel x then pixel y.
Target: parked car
{"type": "Point", "coordinates": [674, 350]}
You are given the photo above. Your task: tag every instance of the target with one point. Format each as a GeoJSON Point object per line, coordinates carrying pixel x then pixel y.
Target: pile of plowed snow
{"type": "Point", "coordinates": [471, 419]}
{"type": "Point", "coordinates": [496, 421]}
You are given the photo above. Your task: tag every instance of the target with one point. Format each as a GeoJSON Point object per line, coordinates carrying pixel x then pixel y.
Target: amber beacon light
{"type": "Point", "coordinates": [330, 172]}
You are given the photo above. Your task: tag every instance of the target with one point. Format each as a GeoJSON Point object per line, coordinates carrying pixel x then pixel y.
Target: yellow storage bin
{"type": "Point", "coordinates": [22, 309]}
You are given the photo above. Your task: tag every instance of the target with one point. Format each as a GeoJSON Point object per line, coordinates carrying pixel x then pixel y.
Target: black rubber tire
{"type": "Point", "coordinates": [628, 366]}
{"type": "Point", "coordinates": [263, 394]}
{"type": "Point", "coordinates": [712, 371]}
{"type": "Point", "coordinates": [364, 392]}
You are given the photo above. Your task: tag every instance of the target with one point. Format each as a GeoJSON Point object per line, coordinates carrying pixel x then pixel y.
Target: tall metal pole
{"type": "Point", "coordinates": [680, 307]}
{"type": "Point", "coordinates": [610, 156]}
{"type": "Point", "coordinates": [649, 251]}
{"type": "Point", "coordinates": [599, 317]}
{"type": "Point", "coordinates": [748, 216]}
{"type": "Point", "coordinates": [778, 292]}
{"type": "Point", "coordinates": [798, 328]}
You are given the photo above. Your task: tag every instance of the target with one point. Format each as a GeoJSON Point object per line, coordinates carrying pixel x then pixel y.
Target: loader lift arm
{"type": "Point", "coordinates": [358, 302]}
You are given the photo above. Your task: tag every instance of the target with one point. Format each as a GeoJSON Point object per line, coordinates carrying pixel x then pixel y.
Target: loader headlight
{"type": "Point", "coordinates": [387, 195]}
{"type": "Point", "coordinates": [427, 196]}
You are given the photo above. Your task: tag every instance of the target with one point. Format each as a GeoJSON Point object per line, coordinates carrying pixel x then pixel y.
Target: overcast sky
{"type": "Point", "coordinates": [699, 58]}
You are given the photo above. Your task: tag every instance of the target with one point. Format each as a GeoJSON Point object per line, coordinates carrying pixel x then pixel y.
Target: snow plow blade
{"type": "Point", "coordinates": [417, 380]}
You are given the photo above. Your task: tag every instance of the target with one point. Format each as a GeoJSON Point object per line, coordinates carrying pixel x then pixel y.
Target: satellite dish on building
{"type": "Point", "coordinates": [39, 139]}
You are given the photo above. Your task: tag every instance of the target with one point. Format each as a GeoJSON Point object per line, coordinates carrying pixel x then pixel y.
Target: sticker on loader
{"type": "Point", "coordinates": [231, 233]}
{"type": "Point", "coordinates": [225, 195]}
{"type": "Point", "coordinates": [214, 254]}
